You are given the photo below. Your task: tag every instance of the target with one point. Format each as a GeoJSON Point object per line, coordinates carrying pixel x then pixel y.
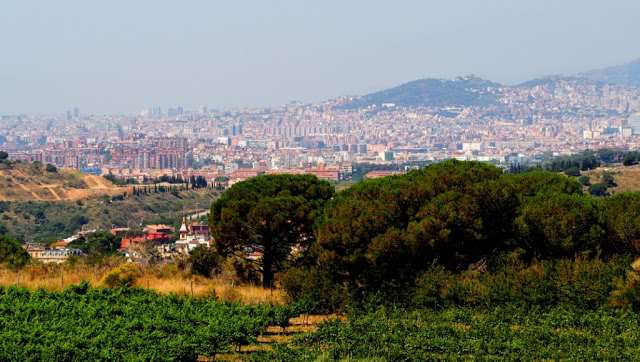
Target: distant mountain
{"type": "Point", "coordinates": [628, 74]}
{"type": "Point", "coordinates": [555, 79]}
{"type": "Point", "coordinates": [461, 91]}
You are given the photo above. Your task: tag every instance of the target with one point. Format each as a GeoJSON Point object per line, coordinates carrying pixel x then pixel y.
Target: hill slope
{"type": "Point", "coordinates": [461, 91]}
{"type": "Point", "coordinates": [31, 182]}
{"type": "Point", "coordinates": [628, 74]}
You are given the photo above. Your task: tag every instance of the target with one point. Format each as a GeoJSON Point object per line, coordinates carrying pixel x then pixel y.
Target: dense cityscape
{"type": "Point", "coordinates": [554, 115]}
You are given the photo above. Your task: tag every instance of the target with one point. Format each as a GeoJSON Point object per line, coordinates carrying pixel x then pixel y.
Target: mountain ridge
{"type": "Point", "coordinates": [627, 74]}
{"type": "Point", "coordinates": [465, 91]}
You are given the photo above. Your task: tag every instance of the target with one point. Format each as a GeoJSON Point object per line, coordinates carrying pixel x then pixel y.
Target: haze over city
{"type": "Point", "coordinates": [124, 57]}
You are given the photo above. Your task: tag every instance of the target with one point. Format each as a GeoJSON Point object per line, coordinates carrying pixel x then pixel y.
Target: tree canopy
{"type": "Point", "coordinates": [12, 254]}
{"type": "Point", "coordinates": [389, 228]}
{"type": "Point", "coordinates": [380, 234]}
{"type": "Point", "coordinates": [268, 214]}
{"type": "Point", "coordinates": [101, 242]}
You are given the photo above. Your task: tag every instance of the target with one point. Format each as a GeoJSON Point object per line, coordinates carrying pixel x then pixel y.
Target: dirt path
{"type": "Point", "coordinates": [98, 182]}
{"type": "Point", "coordinates": [54, 193]}
{"type": "Point", "coordinates": [19, 172]}
{"type": "Point", "coordinates": [27, 190]}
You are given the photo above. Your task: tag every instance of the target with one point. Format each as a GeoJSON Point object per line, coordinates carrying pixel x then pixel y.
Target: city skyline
{"type": "Point", "coordinates": [122, 58]}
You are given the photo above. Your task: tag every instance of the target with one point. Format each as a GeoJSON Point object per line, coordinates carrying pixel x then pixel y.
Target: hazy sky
{"type": "Point", "coordinates": [126, 56]}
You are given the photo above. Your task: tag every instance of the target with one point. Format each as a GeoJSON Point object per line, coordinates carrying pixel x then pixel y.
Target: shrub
{"type": "Point", "coordinates": [12, 255]}
{"type": "Point", "coordinates": [572, 172]}
{"type": "Point", "coordinates": [599, 189]}
{"type": "Point", "coordinates": [628, 294]}
{"type": "Point", "coordinates": [205, 261]}
{"type": "Point", "coordinates": [121, 277]}
{"type": "Point", "coordinates": [584, 180]}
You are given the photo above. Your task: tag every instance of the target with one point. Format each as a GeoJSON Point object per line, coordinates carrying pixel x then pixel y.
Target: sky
{"type": "Point", "coordinates": [121, 57]}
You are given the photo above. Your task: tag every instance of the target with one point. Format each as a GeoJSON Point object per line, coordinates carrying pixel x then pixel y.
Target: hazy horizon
{"type": "Point", "coordinates": [122, 57]}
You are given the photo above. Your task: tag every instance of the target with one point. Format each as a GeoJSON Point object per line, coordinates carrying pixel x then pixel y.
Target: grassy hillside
{"type": "Point", "coordinates": [36, 220]}
{"type": "Point", "coordinates": [32, 182]}
{"type": "Point", "coordinates": [467, 91]}
{"type": "Point", "coordinates": [36, 204]}
{"type": "Point", "coordinates": [627, 178]}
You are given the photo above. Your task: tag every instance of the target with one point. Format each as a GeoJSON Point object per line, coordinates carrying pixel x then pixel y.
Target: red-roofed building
{"type": "Point", "coordinates": [157, 238]}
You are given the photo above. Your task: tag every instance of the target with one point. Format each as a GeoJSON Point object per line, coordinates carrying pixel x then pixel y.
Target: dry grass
{"type": "Point", "coordinates": [627, 178]}
{"type": "Point", "coordinates": [57, 277]}
{"type": "Point", "coordinates": [22, 183]}
{"type": "Point", "coordinates": [165, 280]}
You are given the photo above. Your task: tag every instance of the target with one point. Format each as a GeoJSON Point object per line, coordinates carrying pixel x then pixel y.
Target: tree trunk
{"type": "Point", "coordinates": [267, 269]}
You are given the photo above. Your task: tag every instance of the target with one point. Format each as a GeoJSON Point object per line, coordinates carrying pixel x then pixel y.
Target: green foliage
{"type": "Point", "coordinates": [3, 155]}
{"type": "Point", "coordinates": [559, 225]}
{"type": "Point", "coordinates": [85, 323]}
{"type": "Point", "coordinates": [313, 291]}
{"type": "Point", "coordinates": [607, 179]}
{"type": "Point", "coordinates": [388, 229]}
{"type": "Point", "coordinates": [271, 214]}
{"type": "Point", "coordinates": [101, 242]}
{"type": "Point", "coordinates": [583, 162]}
{"type": "Point", "coordinates": [470, 334]}
{"type": "Point", "coordinates": [572, 171]}
{"type": "Point", "coordinates": [12, 254]}
{"type": "Point", "coordinates": [377, 236]}
{"type": "Point", "coordinates": [204, 261]}
{"type": "Point", "coordinates": [584, 180]}
{"type": "Point", "coordinates": [599, 189]}
{"type": "Point", "coordinates": [621, 215]}
{"type": "Point", "coordinates": [628, 294]}
{"type": "Point", "coordinates": [630, 159]}
{"type": "Point", "coordinates": [51, 168]}
{"type": "Point", "coordinates": [122, 276]}
{"type": "Point", "coordinates": [575, 284]}
{"type": "Point", "coordinates": [541, 183]}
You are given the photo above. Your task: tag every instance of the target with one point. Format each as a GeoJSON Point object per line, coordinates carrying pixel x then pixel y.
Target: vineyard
{"type": "Point", "coordinates": [90, 324]}
{"type": "Point", "coordinates": [86, 323]}
{"type": "Point", "coordinates": [466, 334]}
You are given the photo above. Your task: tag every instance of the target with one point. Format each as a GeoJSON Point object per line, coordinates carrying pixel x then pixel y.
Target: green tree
{"type": "Point", "coordinates": [572, 172]}
{"type": "Point", "coordinates": [630, 159]}
{"type": "Point", "coordinates": [269, 214]}
{"type": "Point", "coordinates": [559, 225]}
{"type": "Point", "coordinates": [101, 242]}
{"type": "Point", "coordinates": [599, 189]}
{"type": "Point", "coordinates": [385, 231]}
{"type": "Point", "coordinates": [3, 155]}
{"type": "Point", "coordinates": [204, 260]}
{"type": "Point", "coordinates": [584, 180]}
{"type": "Point", "coordinates": [12, 254]}
{"type": "Point", "coordinates": [607, 179]}
{"type": "Point", "coordinates": [622, 215]}
{"type": "Point", "coordinates": [51, 168]}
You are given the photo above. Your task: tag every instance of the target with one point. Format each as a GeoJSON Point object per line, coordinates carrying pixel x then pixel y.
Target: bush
{"type": "Point", "coordinates": [312, 290]}
{"type": "Point", "coordinates": [204, 261]}
{"type": "Point", "coordinates": [572, 172]}
{"type": "Point", "coordinates": [584, 180]}
{"type": "Point", "coordinates": [51, 168]}
{"type": "Point", "coordinates": [628, 294]}
{"type": "Point", "coordinates": [12, 254]}
{"type": "Point", "coordinates": [599, 189]}
{"type": "Point", "coordinates": [121, 277]}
